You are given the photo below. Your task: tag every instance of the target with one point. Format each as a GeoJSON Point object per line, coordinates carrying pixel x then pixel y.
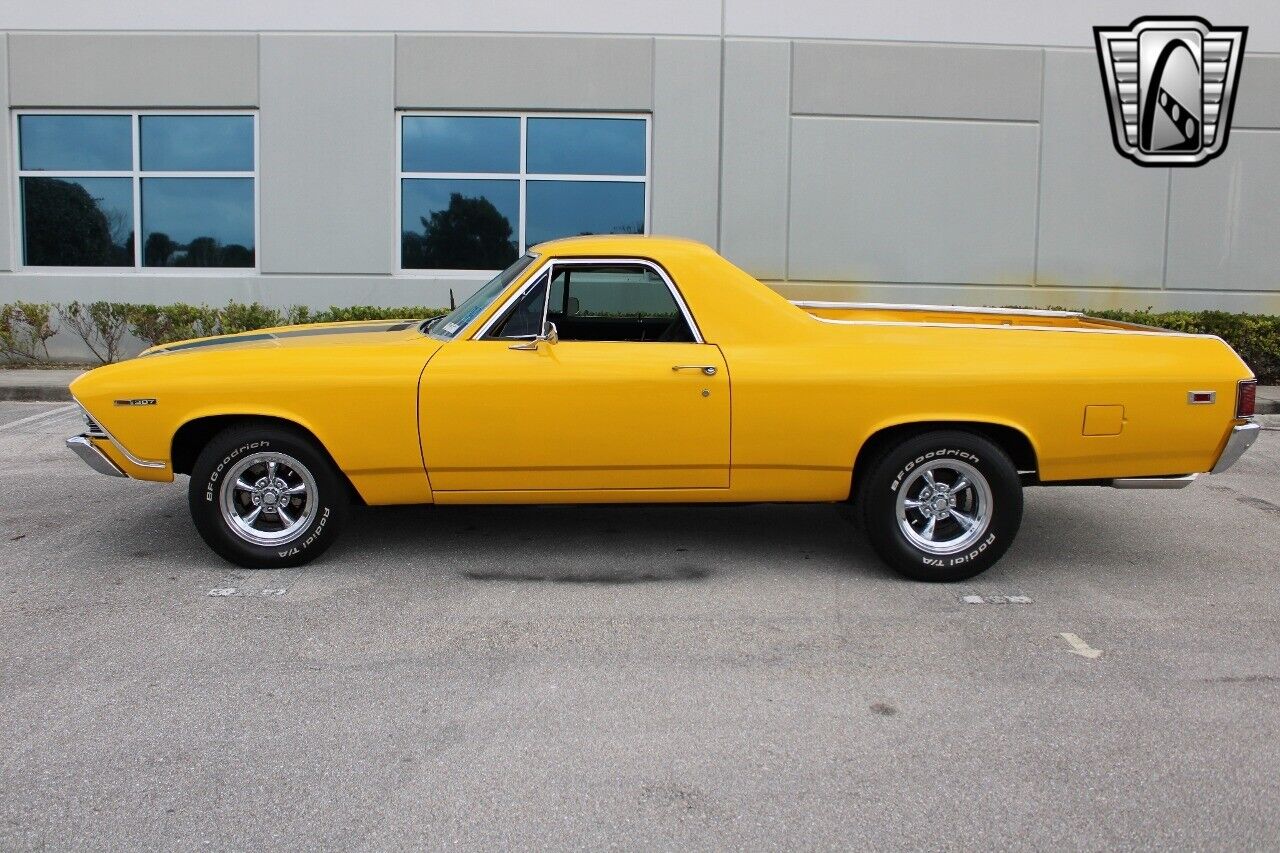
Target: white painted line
{"type": "Point", "coordinates": [234, 592]}
{"type": "Point", "coordinates": [1080, 647]}
{"type": "Point", "coordinates": [49, 415]}
{"type": "Point", "coordinates": [996, 599]}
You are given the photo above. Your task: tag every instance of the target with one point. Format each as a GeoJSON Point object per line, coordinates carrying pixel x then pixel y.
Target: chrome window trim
{"type": "Point", "coordinates": [141, 463]}
{"type": "Point", "coordinates": [961, 309]}
{"type": "Point", "coordinates": [551, 262]}
{"type": "Point", "coordinates": [1008, 327]}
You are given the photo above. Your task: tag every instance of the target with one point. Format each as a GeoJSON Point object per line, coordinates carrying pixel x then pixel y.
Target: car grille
{"type": "Point", "coordinates": [92, 429]}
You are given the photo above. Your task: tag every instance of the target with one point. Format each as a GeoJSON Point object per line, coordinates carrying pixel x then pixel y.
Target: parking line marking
{"type": "Point", "coordinates": [996, 599]}
{"type": "Point", "coordinates": [49, 415]}
{"type": "Point", "coordinates": [1080, 647]}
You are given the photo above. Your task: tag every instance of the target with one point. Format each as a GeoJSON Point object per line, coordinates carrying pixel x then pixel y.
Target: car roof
{"type": "Point", "coordinates": [612, 245]}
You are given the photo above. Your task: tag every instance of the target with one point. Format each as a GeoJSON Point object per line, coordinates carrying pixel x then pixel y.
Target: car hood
{"type": "Point", "coordinates": [311, 335]}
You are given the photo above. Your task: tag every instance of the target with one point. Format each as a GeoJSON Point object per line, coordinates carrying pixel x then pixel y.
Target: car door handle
{"type": "Point", "coordinates": [708, 369]}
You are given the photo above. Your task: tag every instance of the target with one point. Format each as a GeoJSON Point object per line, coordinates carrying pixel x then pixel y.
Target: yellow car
{"type": "Point", "coordinates": [641, 369]}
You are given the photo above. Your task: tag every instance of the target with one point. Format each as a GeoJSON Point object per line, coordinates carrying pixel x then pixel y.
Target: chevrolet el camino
{"type": "Point", "coordinates": [642, 369]}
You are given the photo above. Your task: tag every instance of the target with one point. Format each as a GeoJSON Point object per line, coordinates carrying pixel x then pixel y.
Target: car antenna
{"type": "Point", "coordinates": [451, 305]}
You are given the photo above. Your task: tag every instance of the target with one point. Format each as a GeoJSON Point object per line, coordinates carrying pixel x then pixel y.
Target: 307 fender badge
{"type": "Point", "coordinates": [141, 401]}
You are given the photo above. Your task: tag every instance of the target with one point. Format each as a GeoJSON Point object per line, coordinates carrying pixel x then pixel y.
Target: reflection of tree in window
{"type": "Point", "coordinates": [469, 234]}
{"type": "Point", "coordinates": [160, 250]}
{"type": "Point", "coordinates": [65, 226]}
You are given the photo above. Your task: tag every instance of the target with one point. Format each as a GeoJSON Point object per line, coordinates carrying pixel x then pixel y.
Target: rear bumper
{"type": "Point", "coordinates": [81, 446]}
{"type": "Point", "coordinates": [1242, 438]}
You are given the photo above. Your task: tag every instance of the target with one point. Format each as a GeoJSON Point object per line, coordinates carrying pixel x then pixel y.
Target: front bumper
{"type": "Point", "coordinates": [1242, 438]}
{"type": "Point", "coordinates": [81, 446]}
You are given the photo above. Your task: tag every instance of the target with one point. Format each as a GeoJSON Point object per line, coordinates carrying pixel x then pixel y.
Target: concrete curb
{"type": "Point", "coordinates": [35, 393]}
{"type": "Point", "coordinates": [32, 385]}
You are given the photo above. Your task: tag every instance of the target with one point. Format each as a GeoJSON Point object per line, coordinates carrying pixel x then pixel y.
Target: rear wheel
{"type": "Point", "coordinates": [266, 497]}
{"type": "Point", "coordinates": [941, 506]}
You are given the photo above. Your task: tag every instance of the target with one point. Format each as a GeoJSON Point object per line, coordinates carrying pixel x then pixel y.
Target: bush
{"type": "Point", "coordinates": [163, 324]}
{"type": "Point", "coordinates": [246, 318]}
{"type": "Point", "coordinates": [101, 325]}
{"type": "Point", "coordinates": [25, 329]}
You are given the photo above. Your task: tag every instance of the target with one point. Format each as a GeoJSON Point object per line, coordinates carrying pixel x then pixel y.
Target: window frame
{"type": "Point", "coordinates": [522, 177]}
{"type": "Point", "coordinates": [136, 175]}
{"type": "Point", "coordinates": [484, 331]}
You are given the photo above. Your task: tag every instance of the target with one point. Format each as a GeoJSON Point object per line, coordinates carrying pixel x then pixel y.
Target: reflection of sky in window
{"type": "Point", "coordinates": [197, 143]}
{"type": "Point", "coordinates": [585, 146]}
{"type": "Point", "coordinates": [65, 142]}
{"type": "Point", "coordinates": [187, 208]}
{"type": "Point", "coordinates": [420, 197]}
{"type": "Point", "coordinates": [568, 208]}
{"type": "Point", "coordinates": [460, 144]}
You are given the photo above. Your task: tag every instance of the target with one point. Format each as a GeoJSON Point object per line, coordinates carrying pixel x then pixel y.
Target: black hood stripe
{"type": "Point", "coordinates": [229, 340]}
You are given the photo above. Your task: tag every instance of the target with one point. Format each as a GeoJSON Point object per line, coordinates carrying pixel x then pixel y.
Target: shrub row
{"type": "Point", "coordinates": [26, 327]}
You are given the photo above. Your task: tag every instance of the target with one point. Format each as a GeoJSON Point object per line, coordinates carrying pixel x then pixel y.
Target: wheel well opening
{"type": "Point", "coordinates": [1010, 440]}
{"type": "Point", "coordinates": [193, 436]}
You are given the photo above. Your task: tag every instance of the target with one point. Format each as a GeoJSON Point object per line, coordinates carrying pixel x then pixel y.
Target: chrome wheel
{"type": "Point", "coordinates": [944, 506]}
{"type": "Point", "coordinates": [269, 498]}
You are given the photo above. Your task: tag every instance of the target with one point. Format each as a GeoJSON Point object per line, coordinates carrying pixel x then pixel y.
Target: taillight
{"type": "Point", "coordinates": [1246, 398]}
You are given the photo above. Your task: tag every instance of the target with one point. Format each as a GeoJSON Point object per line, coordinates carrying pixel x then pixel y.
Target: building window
{"type": "Point", "coordinates": [477, 190]}
{"type": "Point", "coordinates": [138, 190]}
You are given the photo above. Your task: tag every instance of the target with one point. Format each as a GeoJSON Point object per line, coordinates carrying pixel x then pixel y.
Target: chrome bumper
{"type": "Point", "coordinates": [1154, 482]}
{"type": "Point", "coordinates": [93, 457]}
{"type": "Point", "coordinates": [1242, 438]}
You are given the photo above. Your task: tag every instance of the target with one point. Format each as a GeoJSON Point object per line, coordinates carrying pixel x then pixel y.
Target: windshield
{"type": "Point", "coordinates": [447, 327]}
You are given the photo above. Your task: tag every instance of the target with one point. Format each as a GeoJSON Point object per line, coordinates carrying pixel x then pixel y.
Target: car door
{"type": "Point", "coordinates": [628, 397]}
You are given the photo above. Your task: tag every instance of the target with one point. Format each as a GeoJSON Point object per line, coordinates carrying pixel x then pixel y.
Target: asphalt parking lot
{"type": "Point", "coordinates": [651, 677]}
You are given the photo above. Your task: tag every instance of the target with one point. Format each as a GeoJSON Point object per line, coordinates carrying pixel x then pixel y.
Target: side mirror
{"type": "Point", "coordinates": [549, 335]}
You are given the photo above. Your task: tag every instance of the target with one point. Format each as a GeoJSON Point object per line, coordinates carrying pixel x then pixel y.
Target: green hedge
{"type": "Point", "coordinates": [25, 327]}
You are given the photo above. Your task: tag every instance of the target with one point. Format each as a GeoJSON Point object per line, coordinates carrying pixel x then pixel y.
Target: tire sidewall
{"type": "Point", "coordinates": [880, 496]}
{"type": "Point", "coordinates": [205, 495]}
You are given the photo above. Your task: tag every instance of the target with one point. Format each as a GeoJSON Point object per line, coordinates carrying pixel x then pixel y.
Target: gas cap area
{"type": "Point", "coordinates": [1103, 420]}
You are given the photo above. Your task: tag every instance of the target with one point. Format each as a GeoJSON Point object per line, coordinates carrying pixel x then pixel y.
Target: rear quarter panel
{"type": "Point", "coordinates": [802, 410]}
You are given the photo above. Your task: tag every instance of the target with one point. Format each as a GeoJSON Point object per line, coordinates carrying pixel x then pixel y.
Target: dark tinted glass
{"type": "Point", "coordinates": [525, 319]}
{"type": "Point", "coordinates": [456, 320]}
{"type": "Point", "coordinates": [569, 208]}
{"type": "Point", "coordinates": [619, 291]}
{"type": "Point", "coordinates": [459, 224]}
{"type": "Point", "coordinates": [197, 143]}
{"type": "Point", "coordinates": [78, 222]}
{"type": "Point", "coordinates": [67, 143]}
{"type": "Point", "coordinates": [460, 144]}
{"type": "Point", "coordinates": [197, 222]}
{"type": "Point", "coordinates": [586, 146]}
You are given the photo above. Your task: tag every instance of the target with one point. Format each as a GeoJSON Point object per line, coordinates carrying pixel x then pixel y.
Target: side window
{"type": "Point", "coordinates": [524, 320]}
{"type": "Point", "coordinates": [615, 302]}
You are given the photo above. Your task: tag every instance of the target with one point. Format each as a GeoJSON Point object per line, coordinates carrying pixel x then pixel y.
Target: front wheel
{"type": "Point", "coordinates": [941, 506]}
{"type": "Point", "coordinates": [264, 497]}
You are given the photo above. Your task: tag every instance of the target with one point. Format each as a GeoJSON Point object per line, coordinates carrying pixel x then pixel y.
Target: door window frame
{"type": "Point", "coordinates": [548, 266]}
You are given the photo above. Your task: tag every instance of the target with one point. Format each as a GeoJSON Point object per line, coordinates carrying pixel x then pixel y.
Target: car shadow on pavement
{"type": "Point", "coordinates": [594, 544]}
